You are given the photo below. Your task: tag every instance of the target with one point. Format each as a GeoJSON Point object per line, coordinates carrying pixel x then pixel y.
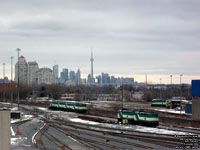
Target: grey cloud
{"type": "Point", "coordinates": [144, 36]}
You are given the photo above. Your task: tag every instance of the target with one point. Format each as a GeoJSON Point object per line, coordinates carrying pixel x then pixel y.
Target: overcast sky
{"type": "Point", "coordinates": [129, 37]}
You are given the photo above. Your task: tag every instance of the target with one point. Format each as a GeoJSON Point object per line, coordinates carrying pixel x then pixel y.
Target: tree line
{"type": "Point", "coordinates": [85, 92]}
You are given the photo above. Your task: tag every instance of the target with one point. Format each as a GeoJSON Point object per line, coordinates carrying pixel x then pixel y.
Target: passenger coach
{"type": "Point", "coordinates": [68, 106]}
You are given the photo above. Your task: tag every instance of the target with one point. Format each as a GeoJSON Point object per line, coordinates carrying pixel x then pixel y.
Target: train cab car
{"type": "Point", "coordinates": [54, 105]}
{"type": "Point", "coordinates": [70, 106]}
{"type": "Point", "coordinates": [61, 105]}
{"type": "Point", "coordinates": [80, 107]}
{"type": "Point", "coordinates": [147, 118]}
{"type": "Point", "coordinates": [161, 102]}
{"type": "Point", "coordinates": [126, 116]}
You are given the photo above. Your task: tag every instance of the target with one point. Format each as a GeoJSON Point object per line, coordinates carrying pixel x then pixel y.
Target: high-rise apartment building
{"type": "Point", "coordinates": [33, 73]}
{"type": "Point", "coordinates": [45, 76]}
{"type": "Point", "coordinates": [23, 71]}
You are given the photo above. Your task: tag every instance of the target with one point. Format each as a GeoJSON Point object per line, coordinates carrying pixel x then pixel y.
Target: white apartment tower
{"type": "Point", "coordinates": [32, 73]}
{"type": "Point", "coordinates": [23, 71]}
{"type": "Point", "coordinates": [45, 76]}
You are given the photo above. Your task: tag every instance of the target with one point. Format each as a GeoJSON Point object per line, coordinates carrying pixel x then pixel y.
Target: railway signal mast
{"type": "Point", "coordinates": [18, 78]}
{"type": "Point", "coordinates": [11, 84]}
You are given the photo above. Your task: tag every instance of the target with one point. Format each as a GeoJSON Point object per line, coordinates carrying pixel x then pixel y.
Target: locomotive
{"type": "Point", "coordinates": [137, 117]}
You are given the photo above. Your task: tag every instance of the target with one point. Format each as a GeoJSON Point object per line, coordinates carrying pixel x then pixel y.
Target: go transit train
{"type": "Point", "coordinates": [161, 102]}
{"type": "Point", "coordinates": [68, 106]}
{"type": "Point", "coordinates": [138, 117]}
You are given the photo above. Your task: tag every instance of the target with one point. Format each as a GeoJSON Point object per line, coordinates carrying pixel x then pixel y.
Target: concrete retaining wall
{"type": "Point", "coordinates": [4, 129]}
{"type": "Point", "coordinates": [196, 108]}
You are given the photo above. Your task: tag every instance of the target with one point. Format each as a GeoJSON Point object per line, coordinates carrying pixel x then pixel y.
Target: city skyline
{"type": "Point", "coordinates": [129, 39]}
{"type": "Point", "coordinates": [152, 79]}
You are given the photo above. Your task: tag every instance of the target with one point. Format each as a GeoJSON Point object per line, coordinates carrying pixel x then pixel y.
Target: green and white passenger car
{"type": "Point", "coordinates": [68, 106]}
{"type": "Point", "coordinates": [161, 102]}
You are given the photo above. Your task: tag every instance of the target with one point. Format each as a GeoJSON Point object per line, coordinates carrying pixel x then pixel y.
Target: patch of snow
{"type": "Point", "coordinates": [36, 120]}
{"type": "Point", "coordinates": [73, 139]}
{"type": "Point", "coordinates": [159, 131]}
{"type": "Point", "coordinates": [14, 109]}
{"type": "Point", "coordinates": [171, 111]}
{"type": "Point", "coordinates": [83, 121]}
{"type": "Point", "coordinates": [42, 108]}
{"type": "Point", "coordinates": [19, 120]}
{"type": "Point", "coordinates": [146, 129]}
{"type": "Point", "coordinates": [4, 103]}
{"type": "Point", "coordinates": [132, 127]}
{"type": "Point", "coordinates": [18, 141]}
{"type": "Point", "coordinates": [12, 131]}
{"type": "Point", "coordinates": [15, 120]}
{"type": "Point", "coordinates": [33, 137]}
{"type": "Point", "coordinates": [28, 116]}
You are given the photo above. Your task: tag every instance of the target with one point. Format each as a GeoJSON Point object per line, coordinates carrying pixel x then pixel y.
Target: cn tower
{"type": "Point", "coordinates": [92, 60]}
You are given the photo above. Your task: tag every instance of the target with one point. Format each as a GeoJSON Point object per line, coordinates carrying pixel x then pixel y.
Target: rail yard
{"type": "Point", "coordinates": [44, 128]}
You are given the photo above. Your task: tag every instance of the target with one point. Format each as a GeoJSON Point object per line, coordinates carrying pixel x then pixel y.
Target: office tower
{"type": "Point", "coordinates": [72, 76]}
{"type": "Point", "coordinates": [105, 78]}
{"type": "Point", "coordinates": [23, 71]}
{"type": "Point", "coordinates": [64, 75]}
{"type": "Point", "coordinates": [55, 72]}
{"type": "Point", "coordinates": [32, 73]}
{"type": "Point", "coordinates": [78, 77]}
{"type": "Point", "coordinates": [99, 79]}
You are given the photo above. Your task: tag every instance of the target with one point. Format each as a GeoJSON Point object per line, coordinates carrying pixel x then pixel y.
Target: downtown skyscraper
{"type": "Point", "coordinates": [55, 72]}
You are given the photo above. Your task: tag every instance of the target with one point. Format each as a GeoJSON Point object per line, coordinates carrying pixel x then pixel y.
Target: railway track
{"type": "Point", "coordinates": [71, 132]}
{"type": "Point", "coordinates": [44, 133]}
{"type": "Point", "coordinates": [181, 129]}
{"type": "Point", "coordinates": [16, 125]}
{"type": "Point", "coordinates": [93, 142]}
{"type": "Point", "coordinates": [106, 128]}
{"type": "Point", "coordinates": [38, 138]}
{"type": "Point", "coordinates": [56, 141]}
{"type": "Point", "coordinates": [167, 141]}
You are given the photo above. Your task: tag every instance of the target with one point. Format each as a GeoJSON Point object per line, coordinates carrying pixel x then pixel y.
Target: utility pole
{"type": "Point", "coordinates": [180, 93]}
{"type": "Point", "coordinates": [18, 78]}
{"type": "Point", "coordinates": [180, 85]}
{"type": "Point", "coordinates": [171, 86]}
{"type": "Point", "coordinates": [171, 79]}
{"type": "Point", "coordinates": [122, 89]}
{"type": "Point", "coordinates": [146, 80]}
{"type": "Point", "coordinates": [160, 87]}
{"type": "Point", "coordinates": [11, 85]}
{"type": "Point", "coordinates": [3, 82]}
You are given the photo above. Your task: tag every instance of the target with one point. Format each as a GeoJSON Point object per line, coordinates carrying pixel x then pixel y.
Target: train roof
{"type": "Point", "coordinates": [69, 101]}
